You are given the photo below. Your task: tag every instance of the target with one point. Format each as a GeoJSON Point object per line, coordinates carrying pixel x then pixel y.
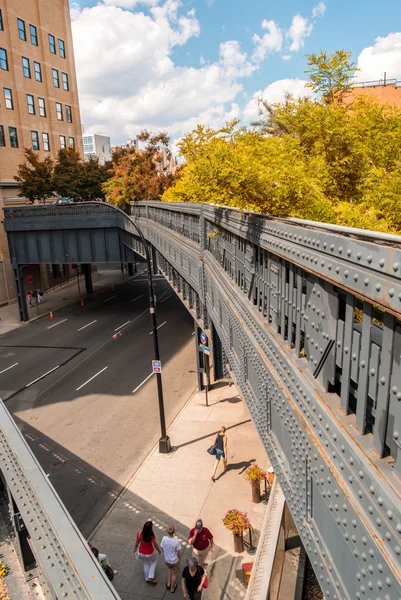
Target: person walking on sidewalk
{"type": "Point", "coordinates": [172, 553]}
{"type": "Point", "coordinates": [221, 450]}
{"type": "Point", "coordinates": [102, 558]}
{"type": "Point", "coordinates": [201, 540]}
{"type": "Point", "coordinates": [29, 299]}
{"type": "Point", "coordinates": [193, 578]}
{"type": "Point", "coordinates": [146, 544]}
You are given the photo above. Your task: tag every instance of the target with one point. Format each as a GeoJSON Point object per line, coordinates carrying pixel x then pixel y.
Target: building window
{"type": "Point", "coordinates": [61, 47]}
{"type": "Point", "coordinates": [27, 67]}
{"type": "Point", "coordinates": [42, 107]}
{"type": "Point", "coordinates": [3, 59]}
{"type": "Point", "coordinates": [59, 110]}
{"type": "Point", "coordinates": [52, 44]}
{"type": "Point", "coordinates": [68, 113]}
{"type": "Point", "coordinates": [21, 29]}
{"type": "Point", "coordinates": [65, 81]}
{"type": "Point", "coordinates": [56, 79]}
{"type": "Point", "coordinates": [1, 21]}
{"type": "Point", "coordinates": [12, 131]}
{"type": "Point", "coordinates": [2, 138]}
{"type": "Point", "coordinates": [31, 104]}
{"type": "Point", "coordinates": [71, 142]}
{"type": "Point", "coordinates": [38, 71]}
{"type": "Point", "coordinates": [8, 98]}
{"type": "Point", "coordinates": [34, 35]}
{"type": "Point", "coordinates": [62, 142]}
{"type": "Point", "coordinates": [35, 140]}
{"type": "Point", "coordinates": [46, 142]}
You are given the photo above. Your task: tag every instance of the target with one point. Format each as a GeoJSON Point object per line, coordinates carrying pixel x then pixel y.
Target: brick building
{"type": "Point", "coordinates": [39, 106]}
{"type": "Point", "coordinates": [387, 91]}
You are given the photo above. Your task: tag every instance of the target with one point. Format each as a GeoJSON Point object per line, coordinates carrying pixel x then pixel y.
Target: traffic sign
{"type": "Point", "coordinates": [29, 279]}
{"type": "Point", "coordinates": [203, 338]}
{"type": "Point", "coordinates": [156, 366]}
{"type": "Point", "coordinates": [204, 349]}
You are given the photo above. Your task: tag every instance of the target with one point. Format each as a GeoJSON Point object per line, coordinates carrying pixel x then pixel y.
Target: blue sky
{"type": "Point", "coordinates": [170, 64]}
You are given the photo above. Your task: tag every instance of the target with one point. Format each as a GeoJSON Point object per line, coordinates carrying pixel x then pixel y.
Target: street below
{"type": "Point", "coordinates": [82, 391]}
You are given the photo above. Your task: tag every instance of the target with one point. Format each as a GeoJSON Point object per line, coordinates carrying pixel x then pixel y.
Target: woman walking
{"type": "Point", "coordinates": [146, 544]}
{"type": "Point", "coordinates": [221, 450]}
{"type": "Point", "coordinates": [193, 578]}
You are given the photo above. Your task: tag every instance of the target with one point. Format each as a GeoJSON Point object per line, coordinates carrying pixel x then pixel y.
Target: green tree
{"type": "Point", "coordinates": [330, 75]}
{"type": "Point", "coordinates": [68, 173]}
{"type": "Point", "coordinates": [35, 177]}
{"type": "Point", "coordinates": [93, 177]}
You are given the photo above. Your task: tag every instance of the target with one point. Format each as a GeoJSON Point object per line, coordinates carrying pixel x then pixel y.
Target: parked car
{"type": "Point", "coordinates": [64, 201]}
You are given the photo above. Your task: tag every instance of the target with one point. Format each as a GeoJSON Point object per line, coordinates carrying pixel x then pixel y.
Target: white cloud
{"type": "Point", "coordinates": [286, 56]}
{"type": "Point", "coordinates": [383, 57]}
{"type": "Point", "coordinates": [128, 79]}
{"type": "Point", "coordinates": [319, 10]}
{"type": "Point", "coordinates": [299, 30]}
{"type": "Point", "coordinates": [269, 42]}
{"type": "Point", "coordinates": [130, 3]}
{"type": "Point", "coordinates": [276, 92]}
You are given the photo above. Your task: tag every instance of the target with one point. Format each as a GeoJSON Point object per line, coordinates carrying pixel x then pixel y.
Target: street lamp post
{"type": "Point", "coordinates": [164, 441]}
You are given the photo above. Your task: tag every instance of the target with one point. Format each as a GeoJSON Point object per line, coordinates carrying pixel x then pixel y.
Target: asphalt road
{"type": "Point", "coordinates": [81, 390]}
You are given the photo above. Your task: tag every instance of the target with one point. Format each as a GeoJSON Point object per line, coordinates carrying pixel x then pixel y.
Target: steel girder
{"type": "Point", "coordinates": [308, 316]}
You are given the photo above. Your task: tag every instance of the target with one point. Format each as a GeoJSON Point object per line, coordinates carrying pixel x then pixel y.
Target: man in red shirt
{"type": "Point", "coordinates": [201, 540]}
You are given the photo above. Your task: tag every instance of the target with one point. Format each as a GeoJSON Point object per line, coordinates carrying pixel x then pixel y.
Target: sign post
{"type": "Point", "coordinates": [203, 347]}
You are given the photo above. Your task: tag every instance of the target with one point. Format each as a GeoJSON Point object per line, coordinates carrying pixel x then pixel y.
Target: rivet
{"type": "Point", "coordinates": [378, 286]}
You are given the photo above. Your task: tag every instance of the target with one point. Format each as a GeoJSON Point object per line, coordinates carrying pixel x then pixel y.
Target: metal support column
{"type": "Point", "coordinates": [130, 269]}
{"type": "Point", "coordinates": [154, 261]}
{"type": "Point", "coordinates": [88, 278]}
{"type": "Point", "coordinates": [20, 289]}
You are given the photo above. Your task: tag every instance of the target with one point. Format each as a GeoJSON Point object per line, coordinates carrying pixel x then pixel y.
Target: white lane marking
{"type": "Point", "coordinates": [87, 325]}
{"type": "Point", "coordinates": [111, 298]}
{"type": "Point", "coordinates": [14, 365]}
{"type": "Point", "coordinates": [137, 298]}
{"type": "Point", "coordinates": [141, 384]}
{"type": "Point", "coordinates": [123, 325]}
{"type": "Point", "coordinates": [165, 298]}
{"type": "Point", "coordinates": [41, 377]}
{"type": "Point", "coordinates": [81, 386]}
{"type": "Point", "coordinates": [151, 333]}
{"type": "Point", "coordinates": [59, 323]}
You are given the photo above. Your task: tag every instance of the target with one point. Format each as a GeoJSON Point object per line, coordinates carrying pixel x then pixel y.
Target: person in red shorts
{"type": "Point", "coordinates": [201, 540]}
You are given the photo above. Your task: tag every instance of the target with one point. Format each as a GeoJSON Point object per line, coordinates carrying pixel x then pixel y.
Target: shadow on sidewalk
{"type": "Point", "coordinates": [88, 494]}
{"type": "Point", "coordinates": [209, 435]}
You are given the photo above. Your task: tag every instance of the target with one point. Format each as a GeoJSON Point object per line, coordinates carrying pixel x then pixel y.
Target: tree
{"type": "Point", "coordinates": [68, 173]}
{"type": "Point", "coordinates": [35, 177]}
{"type": "Point", "coordinates": [331, 75]}
{"type": "Point", "coordinates": [139, 174]}
{"type": "Point", "coordinates": [319, 158]}
{"type": "Point", "coordinates": [92, 178]}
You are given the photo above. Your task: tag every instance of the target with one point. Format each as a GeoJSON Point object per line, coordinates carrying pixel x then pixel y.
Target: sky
{"type": "Point", "coordinates": [173, 64]}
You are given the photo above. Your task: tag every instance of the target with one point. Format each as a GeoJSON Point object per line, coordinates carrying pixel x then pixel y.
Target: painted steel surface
{"type": "Point", "coordinates": [309, 322]}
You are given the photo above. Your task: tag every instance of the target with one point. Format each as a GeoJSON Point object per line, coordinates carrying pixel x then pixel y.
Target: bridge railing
{"type": "Point", "coordinates": [331, 293]}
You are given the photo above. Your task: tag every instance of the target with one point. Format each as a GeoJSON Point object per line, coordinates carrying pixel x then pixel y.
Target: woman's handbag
{"type": "Point", "coordinates": [212, 449]}
{"type": "Point", "coordinates": [206, 582]}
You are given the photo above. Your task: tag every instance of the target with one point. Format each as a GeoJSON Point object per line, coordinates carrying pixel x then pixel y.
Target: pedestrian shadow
{"type": "Point", "coordinates": [209, 435]}
{"type": "Point", "coordinates": [233, 400]}
{"type": "Point", "coordinates": [240, 466]}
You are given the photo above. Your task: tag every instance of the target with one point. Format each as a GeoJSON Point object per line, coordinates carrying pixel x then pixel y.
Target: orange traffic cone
{"type": "Point", "coordinates": [51, 316]}
{"type": "Point", "coordinates": [82, 302]}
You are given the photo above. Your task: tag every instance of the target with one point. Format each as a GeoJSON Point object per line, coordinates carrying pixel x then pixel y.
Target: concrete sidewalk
{"type": "Point", "coordinates": [56, 298]}
{"type": "Point", "coordinates": [177, 489]}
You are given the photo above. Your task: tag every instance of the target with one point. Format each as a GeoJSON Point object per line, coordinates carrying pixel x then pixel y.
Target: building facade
{"type": "Point", "coordinates": [98, 145]}
{"type": "Point", "coordinates": [39, 106]}
{"type": "Point", "coordinates": [386, 91]}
